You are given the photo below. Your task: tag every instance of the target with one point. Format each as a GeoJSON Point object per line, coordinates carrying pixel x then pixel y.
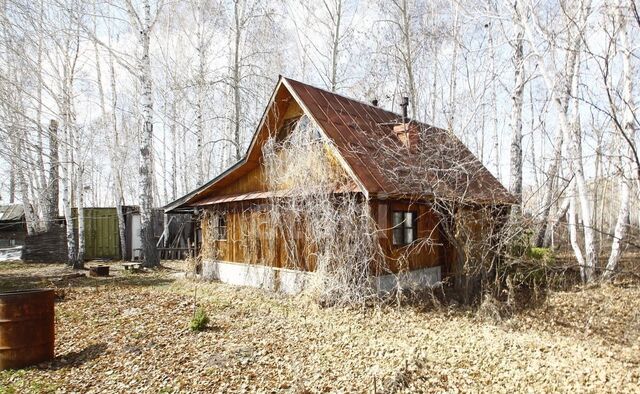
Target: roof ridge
{"type": "Point", "coordinates": [368, 104]}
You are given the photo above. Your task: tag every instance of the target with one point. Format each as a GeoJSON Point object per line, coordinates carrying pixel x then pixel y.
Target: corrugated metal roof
{"type": "Point", "coordinates": [11, 213]}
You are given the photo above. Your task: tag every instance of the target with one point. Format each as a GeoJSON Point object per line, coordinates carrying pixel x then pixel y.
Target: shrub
{"type": "Point", "coordinates": [200, 320]}
{"type": "Point", "coordinates": [544, 254]}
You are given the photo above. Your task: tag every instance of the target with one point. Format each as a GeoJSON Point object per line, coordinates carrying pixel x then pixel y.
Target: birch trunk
{"type": "Point", "coordinates": [237, 105]}
{"type": "Point", "coordinates": [43, 196]}
{"type": "Point", "coordinates": [573, 233]}
{"type": "Point", "coordinates": [620, 231]}
{"type": "Point", "coordinates": [541, 238]}
{"type": "Point", "coordinates": [494, 104]}
{"type": "Point", "coordinates": [200, 86]}
{"type": "Point", "coordinates": [558, 142]}
{"type": "Point", "coordinates": [517, 97]}
{"type": "Point", "coordinates": [434, 84]}
{"type": "Point", "coordinates": [150, 252]}
{"type": "Point", "coordinates": [12, 183]}
{"type": "Point", "coordinates": [165, 232]}
{"type": "Point", "coordinates": [119, 197]}
{"type": "Point", "coordinates": [454, 69]}
{"type": "Point", "coordinates": [408, 57]}
{"type": "Point", "coordinates": [561, 213]}
{"type": "Point", "coordinates": [24, 187]}
{"type": "Point", "coordinates": [573, 136]}
{"type": "Point", "coordinates": [335, 45]}
{"type": "Point", "coordinates": [66, 195]}
{"type": "Point", "coordinates": [79, 262]}
{"type": "Point", "coordinates": [54, 177]}
{"type": "Point", "coordinates": [173, 129]}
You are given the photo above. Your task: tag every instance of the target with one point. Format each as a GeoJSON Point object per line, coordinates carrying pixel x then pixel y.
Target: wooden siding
{"type": "Point", "coordinates": [250, 239]}
{"type": "Point", "coordinates": [430, 249]}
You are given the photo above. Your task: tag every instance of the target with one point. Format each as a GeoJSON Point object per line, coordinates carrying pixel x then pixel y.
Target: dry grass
{"type": "Point", "coordinates": [130, 333]}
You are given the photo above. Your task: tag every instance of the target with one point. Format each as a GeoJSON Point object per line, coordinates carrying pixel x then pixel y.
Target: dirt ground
{"type": "Point", "coordinates": [130, 333]}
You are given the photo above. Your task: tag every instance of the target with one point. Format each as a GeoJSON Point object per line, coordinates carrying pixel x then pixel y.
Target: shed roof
{"type": "Point", "coordinates": [11, 213]}
{"type": "Point", "coordinates": [363, 135]}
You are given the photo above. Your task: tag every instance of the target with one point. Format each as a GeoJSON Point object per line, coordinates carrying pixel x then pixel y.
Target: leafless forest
{"type": "Point", "coordinates": [533, 286]}
{"type": "Point", "coordinates": [111, 103]}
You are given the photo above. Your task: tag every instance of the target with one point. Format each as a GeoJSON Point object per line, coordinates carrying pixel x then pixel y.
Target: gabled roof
{"type": "Point", "coordinates": [363, 136]}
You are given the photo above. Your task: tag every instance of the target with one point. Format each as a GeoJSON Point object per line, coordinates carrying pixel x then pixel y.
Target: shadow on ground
{"type": "Point", "coordinates": [76, 359]}
{"type": "Point", "coordinates": [18, 281]}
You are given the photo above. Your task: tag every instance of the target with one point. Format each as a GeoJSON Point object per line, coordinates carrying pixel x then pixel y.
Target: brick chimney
{"type": "Point", "coordinates": [408, 135]}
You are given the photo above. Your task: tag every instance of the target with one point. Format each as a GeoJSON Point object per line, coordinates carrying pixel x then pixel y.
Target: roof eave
{"type": "Point", "coordinates": [183, 202]}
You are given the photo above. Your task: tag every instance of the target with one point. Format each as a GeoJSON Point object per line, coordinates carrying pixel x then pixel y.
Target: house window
{"type": "Point", "coordinates": [405, 228]}
{"type": "Point", "coordinates": [220, 227]}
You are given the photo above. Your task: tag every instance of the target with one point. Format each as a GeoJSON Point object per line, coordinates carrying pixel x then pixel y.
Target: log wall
{"type": "Point", "coordinates": [49, 247]}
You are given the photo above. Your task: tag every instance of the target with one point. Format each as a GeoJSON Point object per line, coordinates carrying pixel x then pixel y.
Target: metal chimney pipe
{"type": "Point", "coordinates": [405, 106]}
{"type": "Point", "coordinates": [374, 102]}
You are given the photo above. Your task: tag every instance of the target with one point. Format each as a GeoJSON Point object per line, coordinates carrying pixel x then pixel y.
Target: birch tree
{"type": "Point", "coordinates": [628, 129]}
{"type": "Point", "coordinates": [402, 45]}
{"type": "Point", "coordinates": [142, 22]}
{"type": "Point", "coordinates": [572, 132]}
{"type": "Point", "coordinates": [326, 39]}
{"type": "Point", "coordinates": [517, 97]}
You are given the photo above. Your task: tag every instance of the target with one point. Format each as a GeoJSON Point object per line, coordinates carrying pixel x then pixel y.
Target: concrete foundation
{"type": "Point", "coordinates": [412, 280]}
{"type": "Point", "coordinates": [293, 282]}
{"type": "Point", "coordinates": [273, 279]}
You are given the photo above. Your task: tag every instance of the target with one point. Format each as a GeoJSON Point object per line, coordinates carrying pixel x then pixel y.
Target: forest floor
{"type": "Point", "coordinates": [130, 333]}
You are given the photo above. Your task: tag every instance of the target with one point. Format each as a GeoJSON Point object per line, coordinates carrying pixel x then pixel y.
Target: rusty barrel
{"type": "Point", "coordinates": [27, 327]}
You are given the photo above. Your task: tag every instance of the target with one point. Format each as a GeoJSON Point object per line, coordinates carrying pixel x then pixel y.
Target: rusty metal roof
{"type": "Point", "coordinates": [363, 134]}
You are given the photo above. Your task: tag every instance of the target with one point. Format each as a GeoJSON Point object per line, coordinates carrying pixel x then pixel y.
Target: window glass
{"type": "Point", "coordinates": [397, 218]}
{"type": "Point", "coordinates": [404, 227]}
{"type": "Point", "coordinates": [408, 235]}
{"type": "Point", "coordinates": [408, 219]}
{"type": "Point", "coordinates": [220, 230]}
{"type": "Point", "coordinates": [397, 236]}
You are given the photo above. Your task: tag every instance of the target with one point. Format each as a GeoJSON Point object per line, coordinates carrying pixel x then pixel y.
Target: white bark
{"type": "Point", "coordinates": [54, 177]}
{"type": "Point", "coordinates": [43, 194]}
{"type": "Point", "coordinates": [620, 231]}
{"type": "Point", "coordinates": [145, 25]}
{"type": "Point", "coordinates": [567, 91]}
{"type": "Point", "coordinates": [66, 182]}
{"type": "Point", "coordinates": [336, 35]}
{"type": "Point", "coordinates": [494, 103]}
{"type": "Point", "coordinates": [517, 98]}
{"type": "Point", "coordinates": [79, 263]}
{"type": "Point", "coordinates": [454, 69]}
{"type": "Point", "coordinates": [173, 129]}
{"type": "Point", "coordinates": [200, 102]}
{"type": "Point", "coordinates": [24, 190]}
{"type": "Point", "coordinates": [573, 232]}
{"type": "Point", "coordinates": [572, 135]}
{"type": "Point", "coordinates": [238, 7]}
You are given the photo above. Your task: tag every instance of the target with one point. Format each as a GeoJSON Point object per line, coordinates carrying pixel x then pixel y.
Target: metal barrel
{"type": "Point", "coordinates": [27, 327]}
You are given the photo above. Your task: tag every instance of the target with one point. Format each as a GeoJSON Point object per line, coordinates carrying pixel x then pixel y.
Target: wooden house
{"type": "Point", "coordinates": [382, 154]}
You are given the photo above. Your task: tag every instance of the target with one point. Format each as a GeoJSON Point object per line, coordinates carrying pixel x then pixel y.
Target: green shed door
{"type": "Point", "coordinates": [101, 233]}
